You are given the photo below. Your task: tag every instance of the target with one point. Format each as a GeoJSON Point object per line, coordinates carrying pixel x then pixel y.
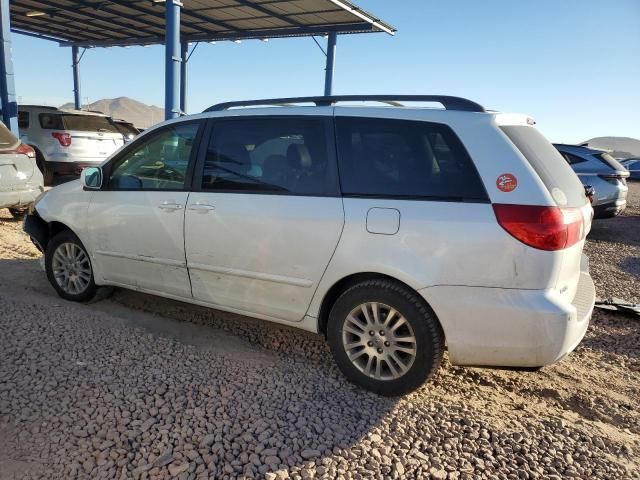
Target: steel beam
{"type": "Point", "coordinates": [331, 60]}
{"type": "Point", "coordinates": [7, 85]}
{"type": "Point", "coordinates": [172, 59]}
{"type": "Point", "coordinates": [183, 76]}
{"type": "Point", "coordinates": [75, 55]}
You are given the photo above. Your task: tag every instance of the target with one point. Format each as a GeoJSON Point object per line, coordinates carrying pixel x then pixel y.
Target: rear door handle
{"type": "Point", "coordinates": [201, 207]}
{"type": "Point", "coordinates": [171, 206]}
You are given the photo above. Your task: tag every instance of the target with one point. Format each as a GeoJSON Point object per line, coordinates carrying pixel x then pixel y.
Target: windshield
{"type": "Point", "coordinates": [81, 123]}
{"type": "Point", "coordinates": [556, 174]}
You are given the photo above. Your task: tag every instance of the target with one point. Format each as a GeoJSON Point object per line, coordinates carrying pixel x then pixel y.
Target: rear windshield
{"type": "Point", "coordinates": [81, 123]}
{"type": "Point", "coordinates": [609, 161]}
{"type": "Point", "coordinates": [7, 139]}
{"type": "Point", "coordinates": [556, 174]}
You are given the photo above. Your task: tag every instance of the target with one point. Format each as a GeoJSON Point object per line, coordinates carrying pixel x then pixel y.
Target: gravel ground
{"type": "Point", "coordinates": [134, 386]}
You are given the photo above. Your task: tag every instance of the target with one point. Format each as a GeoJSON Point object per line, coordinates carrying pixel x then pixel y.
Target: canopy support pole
{"type": "Point", "coordinates": [331, 59]}
{"type": "Point", "coordinates": [75, 55]}
{"type": "Point", "coordinates": [172, 59]}
{"type": "Point", "coordinates": [183, 77]}
{"type": "Point", "coordinates": [7, 84]}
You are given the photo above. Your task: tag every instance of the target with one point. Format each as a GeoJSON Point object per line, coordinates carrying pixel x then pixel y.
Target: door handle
{"type": "Point", "coordinates": [201, 207]}
{"type": "Point", "coordinates": [170, 206]}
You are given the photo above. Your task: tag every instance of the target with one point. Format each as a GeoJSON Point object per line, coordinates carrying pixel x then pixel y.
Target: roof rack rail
{"type": "Point", "coordinates": [448, 102]}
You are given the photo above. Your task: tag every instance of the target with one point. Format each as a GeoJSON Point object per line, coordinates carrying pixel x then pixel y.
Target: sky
{"type": "Point", "coordinates": [573, 65]}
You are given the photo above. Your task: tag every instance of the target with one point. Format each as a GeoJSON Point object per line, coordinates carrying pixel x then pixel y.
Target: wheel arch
{"type": "Point", "coordinates": [42, 231]}
{"type": "Point", "coordinates": [347, 282]}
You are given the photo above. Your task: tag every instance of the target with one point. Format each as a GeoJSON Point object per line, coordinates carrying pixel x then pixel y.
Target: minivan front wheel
{"type": "Point", "coordinates": [384, 337]}
{"type": "Point", "coordinates": [69, 268]}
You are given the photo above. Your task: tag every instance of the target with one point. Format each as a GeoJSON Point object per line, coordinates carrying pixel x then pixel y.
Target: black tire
{"type": "Point", "coordinates": [18, 213]}
{"type": "Point", "coordinates": [47, 173]}
{"type": "Point", "coordinates": [61, 238]}
{"type": "Point", "coordinates": [429, 338]}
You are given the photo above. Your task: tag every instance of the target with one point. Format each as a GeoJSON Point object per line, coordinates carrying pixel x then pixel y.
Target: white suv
{"type": "Point", "coordinates": [66, 141]}
{"type": "Point", "coordinates": [394, 231]}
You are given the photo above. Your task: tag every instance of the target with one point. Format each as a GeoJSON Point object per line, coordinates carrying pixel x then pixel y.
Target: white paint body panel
{"type": "Point", "coordinates": [261, 253]}
{"type": "Point", "coordinates": [134, 242]}
{"type": "Point", "coordinates": [275, 257]}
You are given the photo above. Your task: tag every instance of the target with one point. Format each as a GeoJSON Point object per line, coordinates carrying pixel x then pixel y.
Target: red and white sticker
{"type": "Point", "coordinates": [506, 182]}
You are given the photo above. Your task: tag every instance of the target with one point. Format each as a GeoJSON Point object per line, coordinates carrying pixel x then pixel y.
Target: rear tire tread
{"type": "Point", "coordinates": [429, 321]}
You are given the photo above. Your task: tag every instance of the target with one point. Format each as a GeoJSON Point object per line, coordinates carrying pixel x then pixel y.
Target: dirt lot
{"type": "Point", "coordinates": [134, 386]}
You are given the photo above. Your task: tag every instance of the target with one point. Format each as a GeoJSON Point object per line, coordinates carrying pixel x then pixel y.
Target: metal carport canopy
{"type": "Point", "coordinates": [107, 23]}
{"type": "Point", "coordinates": [110, 23]}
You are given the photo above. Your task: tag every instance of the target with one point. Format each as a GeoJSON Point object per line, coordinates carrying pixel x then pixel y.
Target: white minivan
{"type": "Point", "coordinates": [394, 231]}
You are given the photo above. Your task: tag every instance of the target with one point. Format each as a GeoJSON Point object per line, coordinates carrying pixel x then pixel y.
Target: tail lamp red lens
{"type": "Point", "coordinates": [63, 138]}
{"type": "Point", "coordinates": [544, 228]}
{"type": "Point", "coordinates": [23, 149]}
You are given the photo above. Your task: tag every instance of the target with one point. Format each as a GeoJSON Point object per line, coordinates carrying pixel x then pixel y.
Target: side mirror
{"type": "Point", "coordinates": [91, 178]}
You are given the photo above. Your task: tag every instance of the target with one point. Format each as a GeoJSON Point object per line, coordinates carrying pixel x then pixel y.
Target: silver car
{"type": "Point", "coordinates": [66, 141]}
{"type": "Point", "coordinates": [605, 174]}
{"type": "Point", "coordinates": [20, 180]}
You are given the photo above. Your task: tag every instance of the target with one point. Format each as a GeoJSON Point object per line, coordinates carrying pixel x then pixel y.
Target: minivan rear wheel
{"type": "Point", "coordinates": [384, 337]}
{"type": "Point", "coordinates": [69, 267]}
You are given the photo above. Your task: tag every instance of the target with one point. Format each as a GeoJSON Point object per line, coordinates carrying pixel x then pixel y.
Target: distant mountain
{"type": "Point", "coordinates": [622, 147]}
{"type": "Point", "coordinates": [141, 115]}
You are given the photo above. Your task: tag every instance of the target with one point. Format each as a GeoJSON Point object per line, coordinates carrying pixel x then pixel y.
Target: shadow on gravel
{"type": "Point", "coordinates": [621, 229]}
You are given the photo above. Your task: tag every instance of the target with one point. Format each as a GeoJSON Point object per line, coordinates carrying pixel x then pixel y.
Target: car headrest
{"type": "Point", "coordinates": [298, 156]}
{"type": "Point", "coordinates": [234, 152]}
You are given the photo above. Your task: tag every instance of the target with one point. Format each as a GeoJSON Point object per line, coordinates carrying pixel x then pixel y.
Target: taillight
{"type": "Point", "coordinates": [63, 138]}
{"type": "Point", "coordinates": [25, 149]}
{"type": "Point", "coordinates": [22, 149]}
{"type": "Point", "coordinates": [544, 228]}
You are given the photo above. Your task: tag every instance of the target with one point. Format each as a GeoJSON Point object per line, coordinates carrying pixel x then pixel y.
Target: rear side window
{"type": "Point", "coordinates": [572, 159]}
{"type": "Point", "coordinates": [556, 174]}
{"type": "Point", "coordinates": [51, 121]}
{"type": "Point", "coordinates": [23, 119]}
{"type": "Point", "coordinates": [270, 155]}
{"type": "Point", "coordinates": [405, 159]}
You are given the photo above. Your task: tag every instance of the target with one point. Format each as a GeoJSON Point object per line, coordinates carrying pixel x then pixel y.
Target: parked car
{"type": "Point", "coordinates": [633, 165]}
{"type": "Point", "coordinates": [391, 231]}
{"type": "Point", "coordinates": [127, 129]}
{"type": "Point", "coordinates": [20, 180]}
{"type": "Point", "coordinates": [66, 141]}
{"type": "Point", "coordinates": [600, 170]}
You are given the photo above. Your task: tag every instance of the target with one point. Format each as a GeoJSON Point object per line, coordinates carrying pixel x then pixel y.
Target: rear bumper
{"type": "Point", "coordinates": [19, 198]}
{"type": "Point", "coordinates": [71, 168]}
{"type": "Point", "coordinates": [610, 209]}
{"type": "Point", "coordinates": [511, 327]}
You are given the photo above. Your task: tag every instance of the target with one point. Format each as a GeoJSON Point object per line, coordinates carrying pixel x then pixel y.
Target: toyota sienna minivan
{"type": "Point", "coordinates": [394, 231]}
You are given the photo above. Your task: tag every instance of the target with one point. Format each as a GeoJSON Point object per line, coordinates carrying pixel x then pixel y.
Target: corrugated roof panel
{"type": "Point", "coordinates": [130, 22]}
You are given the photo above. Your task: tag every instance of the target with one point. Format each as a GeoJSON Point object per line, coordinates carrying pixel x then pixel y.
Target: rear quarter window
{"type": "Point", "coordinates": [51, 121]}
{"type": "Point", "coordinates": [405, 159]}
{"type": "Point", "coordinates": [556, 174]}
